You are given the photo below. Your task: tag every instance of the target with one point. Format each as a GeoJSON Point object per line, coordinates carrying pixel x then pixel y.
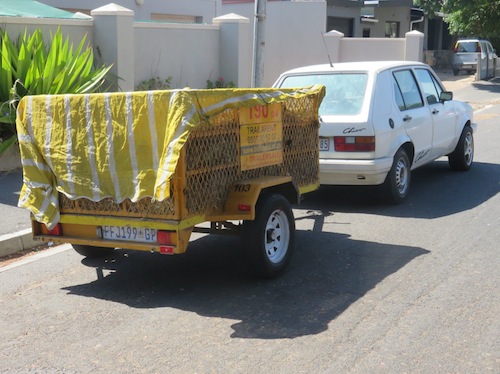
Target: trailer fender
{"type": "Point", "coordinates": [244, 195]}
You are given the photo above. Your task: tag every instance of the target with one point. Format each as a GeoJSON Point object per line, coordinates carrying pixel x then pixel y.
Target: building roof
{"type": "Point", "coordinates": [32, 8]}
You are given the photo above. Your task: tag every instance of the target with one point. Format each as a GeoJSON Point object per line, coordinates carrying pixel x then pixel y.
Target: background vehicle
{"type": "Point", "coordinates": [468, 53]}
{"type": "Point", "coordinates": [141, 170]}
{"type": "Point", "coordinates": [380, 120]}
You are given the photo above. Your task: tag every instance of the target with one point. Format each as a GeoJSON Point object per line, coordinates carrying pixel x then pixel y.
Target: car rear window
{"type": "Point", "coordinates": [467, 47]}
{"type": "Point", "coordinates": [345, 92]}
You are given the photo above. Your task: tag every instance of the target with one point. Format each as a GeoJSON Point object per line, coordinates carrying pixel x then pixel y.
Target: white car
{"type": "Point", "coordinates": [469, 53]}
{"type": "Point", "coordinates": [380, 120]}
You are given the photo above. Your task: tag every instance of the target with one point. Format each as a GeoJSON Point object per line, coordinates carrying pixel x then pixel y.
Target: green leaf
{"type": "Point", "coordinates": [29, 66]}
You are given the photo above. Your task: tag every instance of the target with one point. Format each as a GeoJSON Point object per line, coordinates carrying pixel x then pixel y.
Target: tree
{"type": "Point", "coordinates": [479, 18]}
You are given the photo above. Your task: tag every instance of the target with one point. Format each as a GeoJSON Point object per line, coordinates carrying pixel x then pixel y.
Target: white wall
{"type": "Point", "coordinates": [293, 34]}
{"type": "Point", "coordinates": [188, 53]}
{"type": "Point", "coordinates": [206, 9]}
{"type": "Point", "coordinates": [73, 29]}
{"type": "Point", "coordinates": [372, 49]}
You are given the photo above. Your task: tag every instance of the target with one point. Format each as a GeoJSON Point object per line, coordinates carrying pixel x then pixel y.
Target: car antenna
{"type": "Point", "coordinates": [328, 54]}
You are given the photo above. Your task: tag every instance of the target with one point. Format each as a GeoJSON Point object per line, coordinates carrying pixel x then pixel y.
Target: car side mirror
{"type": "Point", "coordinates": [445, 96]}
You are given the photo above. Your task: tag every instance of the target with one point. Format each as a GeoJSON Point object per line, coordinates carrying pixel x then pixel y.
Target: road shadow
{"type": "Point", "coordinates": [328, 273]}
{"type": "Point", "coordinates": [11, 183]}
{"type": "Point", "coordinates": [436, 191]}
{"type": "Point", "coordinates": [492, 85]}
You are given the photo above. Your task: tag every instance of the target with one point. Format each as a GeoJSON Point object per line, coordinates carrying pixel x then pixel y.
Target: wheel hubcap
{"type": "Point", "coordinates": [402, 176]}
{"type": "Point", "coordinates": [277, 236]}
{"type": "Point", "coordinates": [468, 149]}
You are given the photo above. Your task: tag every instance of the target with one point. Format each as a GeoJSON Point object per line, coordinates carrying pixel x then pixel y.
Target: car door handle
{"type": "Point", "coordinates": [435, 111]}
{"type": "Point", "coordinates": [407, 118]}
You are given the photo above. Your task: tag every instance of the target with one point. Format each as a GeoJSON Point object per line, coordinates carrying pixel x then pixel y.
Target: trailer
{"type": "Point", "coordinates": [144, 170]}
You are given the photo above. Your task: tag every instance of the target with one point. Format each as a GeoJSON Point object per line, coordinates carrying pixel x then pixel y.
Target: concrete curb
{"type": "Point", "coordinates": [16, 242]}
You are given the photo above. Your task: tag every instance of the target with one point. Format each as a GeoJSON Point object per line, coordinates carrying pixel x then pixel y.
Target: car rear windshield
{"type": "Point", "coordinates": [467, 47]}
{"type": "Point", "coordinates": [345, 92]}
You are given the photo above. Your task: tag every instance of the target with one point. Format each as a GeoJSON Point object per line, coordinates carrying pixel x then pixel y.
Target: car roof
{"type": "Point", "coordinates": [472, 40]}
{"type": "Point", "coordinates": [362, 66]}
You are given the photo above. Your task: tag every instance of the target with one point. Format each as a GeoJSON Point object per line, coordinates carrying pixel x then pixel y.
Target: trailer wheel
{"type": "Point", "coordinates": [269, 240]}
{"type": "Point", "coordinates": [92, 252]}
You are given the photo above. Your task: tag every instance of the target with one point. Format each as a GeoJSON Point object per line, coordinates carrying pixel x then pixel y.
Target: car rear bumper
{"type": "Point", "coordinates": [354, 172]}
{"type": "Point", "coordinates": [465, 66]}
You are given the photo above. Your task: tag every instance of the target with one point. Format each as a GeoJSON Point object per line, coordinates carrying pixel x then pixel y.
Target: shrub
{"type": "Point", "coordinates": [30, 67]}
{"type": "Point", "coordinates": [220, 83]}
{"type": "Point", "coordinates": [155, 83]}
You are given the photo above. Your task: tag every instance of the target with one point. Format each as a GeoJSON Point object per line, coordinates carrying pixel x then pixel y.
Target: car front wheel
{"type": "Point", "coordinates": [397, 182]}
{"type": "Point", "coordinates": [463, 155]}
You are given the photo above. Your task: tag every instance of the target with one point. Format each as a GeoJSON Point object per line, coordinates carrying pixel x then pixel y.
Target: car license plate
{"type": "Point", "coordinates": [128, 233]}
{"type": "Point", "coordinates": [324, 144]}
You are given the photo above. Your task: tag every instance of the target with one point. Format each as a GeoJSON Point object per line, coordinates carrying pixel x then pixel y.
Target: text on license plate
{"type": "Point", "coordinates": [129, 233]}
{"type": "Point", "coordinates": [324, 144]}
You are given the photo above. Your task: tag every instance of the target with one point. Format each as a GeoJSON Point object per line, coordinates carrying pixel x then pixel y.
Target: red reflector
{"type": "Point", "coordinates": [354, 143]}
{"type": "Point", "coordinates": [244, 207]}
{"type": "Point", "coordinates": [167, 250]}
{"type": "Point", "coordinates": [56, 231]}
{"type": "Point", "coordinates": [163, 237]}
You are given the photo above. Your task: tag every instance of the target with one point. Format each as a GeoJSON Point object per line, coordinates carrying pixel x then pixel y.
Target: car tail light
{"type": "Point", "coordinates": [354, 143]}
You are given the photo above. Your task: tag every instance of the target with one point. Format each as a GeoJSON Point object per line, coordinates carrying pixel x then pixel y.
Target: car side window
{"type": "Point", "coordinates": [432, 89]}
{"type": "Point", "coordinates": [406, 90]}
{"type": "Point", "coordinates": [489, 48]}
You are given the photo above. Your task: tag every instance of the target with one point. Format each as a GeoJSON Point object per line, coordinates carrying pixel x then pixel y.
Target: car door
{"type": "Point", "coordinates": [482, 61]}
{"type": "Point", "coordinates": [443, 114]}
{"type": "Point", "coordinates": [413, 114]}
{"type": "Point", "coordinates": [490, 53]}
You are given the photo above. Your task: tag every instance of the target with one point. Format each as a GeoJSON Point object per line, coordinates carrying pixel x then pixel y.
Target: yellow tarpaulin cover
{"type": "Point", "coordinates": [118, 145]}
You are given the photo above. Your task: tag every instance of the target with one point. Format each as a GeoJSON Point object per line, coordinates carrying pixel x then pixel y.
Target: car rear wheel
{"type": "Point", "coordinates": [397, 182]}
{"type": "Point", "coordinates": [462, 157]}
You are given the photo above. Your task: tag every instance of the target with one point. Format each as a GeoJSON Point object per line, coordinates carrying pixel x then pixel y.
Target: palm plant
{"type": "Point", "coordinates": [30, 67]}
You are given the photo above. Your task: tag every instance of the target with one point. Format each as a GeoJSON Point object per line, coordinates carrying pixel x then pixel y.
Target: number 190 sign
{"type": "Point", "coordinates": [261, 135]}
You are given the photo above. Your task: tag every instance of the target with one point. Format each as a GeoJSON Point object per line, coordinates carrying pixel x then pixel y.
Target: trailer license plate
{"type": "Point", "coordinates": [128, 233]}
{"type": "Point", "coordinates": [324, 144]}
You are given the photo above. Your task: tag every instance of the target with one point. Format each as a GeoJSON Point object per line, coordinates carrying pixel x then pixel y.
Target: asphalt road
{"type": "Point", "coordinates": [372, 288]}
{"type": "Point", "coordinates": [12, 218]}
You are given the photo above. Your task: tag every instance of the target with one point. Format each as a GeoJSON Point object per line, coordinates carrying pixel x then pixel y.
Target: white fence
{"type": "Point", "coordinates": [194, 53]}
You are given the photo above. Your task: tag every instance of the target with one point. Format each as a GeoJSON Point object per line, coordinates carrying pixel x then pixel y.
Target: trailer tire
{"type": "Point", "coordinates": [269, 240]}
{"type": "Point", "coordinates": [92, 252]}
